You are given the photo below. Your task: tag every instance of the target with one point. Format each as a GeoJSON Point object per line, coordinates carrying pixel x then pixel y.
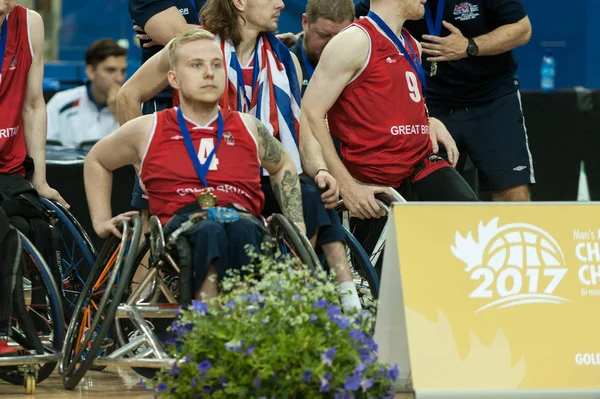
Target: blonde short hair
{"type": "Point", "coordinates": [189, 36]}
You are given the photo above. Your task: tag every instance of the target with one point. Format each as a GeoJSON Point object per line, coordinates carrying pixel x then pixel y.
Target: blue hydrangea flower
{"type": "Point", "coordinates": [204, 366]}
{"type": "Point", "coordinates": [366, 384]}
{"type": "Point", "coordinates": [162, 387]}
{"type": "Point", "coordinates": [320, 304]}
{"type": "Point", "coordinates": [200, 307]}
{"type": "Point", "coordinates": [333, 311]}
{"type": "Point", "coordinates": [143, 383]}
{"type": "Point", "coordinates": [223, 380]}
{"type": "Point", "coordinates": [328, 355]}
{"type": "Point", "coordinates": [206, 388]}
{"type": "Point", "coordinates": [257, 382]}
{"type": "Point", "coordinates": [307, 375]}
{"type": "Point", "coordinates": [234, 346]}
{"type": "Point", "coordinates": [352, 383]}
{"type": "Point", "coordinates": [195, 382]}
{"type": "Point", "coordinates": [357, 335]}
{"type": "Point", "coordinates": [370, 344]}
{"type": "Point", "coordinates": [313, 318]}
{"type": "Point", "coordinates": [342, 322]}
{"type": "Point", "coordinates": [250, 350]}
{"type": "Point", "coordinates": [392, 372]}
{"type": "Point", "coordinates": [360, 369]}
{"type": "Point", "coordinates": [188, 359]}
{"type": "Point", "coordinates": [175, 370]}
{"type": "Point", "coordinates": [324, 385]}
{"type": "Point", "coordinates": [181, 329]}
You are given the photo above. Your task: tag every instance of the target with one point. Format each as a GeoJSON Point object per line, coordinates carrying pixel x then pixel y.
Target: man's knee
{"type": "Point", "coordinates": [513, 194]}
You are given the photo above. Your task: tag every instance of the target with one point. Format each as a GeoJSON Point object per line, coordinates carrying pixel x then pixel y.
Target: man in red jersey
{"type": "Point", "coordinates": [263, 79]}
{"type": "Point", "coordinates": [194, 151]}
{"type": "Point", "coordinates": [22, 128]}
{"type": "Point", "coordinates": [22, 106]}
{"type": "Point", "coordinates": [369, 82]}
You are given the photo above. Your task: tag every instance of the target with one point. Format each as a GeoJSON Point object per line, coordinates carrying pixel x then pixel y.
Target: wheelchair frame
{"type": "Point", "coordinates": [47, 361]}
{"type": "Point", "coordinates": [160, 258]}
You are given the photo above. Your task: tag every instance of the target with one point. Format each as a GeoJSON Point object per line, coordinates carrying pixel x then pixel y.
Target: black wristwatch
{"type": "Point", "coordinates": [472, 48]}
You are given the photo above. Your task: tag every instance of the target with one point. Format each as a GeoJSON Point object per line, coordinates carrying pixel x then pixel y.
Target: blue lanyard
{"type": "Point", "coordinates": [435, 30]}
{"type": "Point", "coordinates": [235, 64]}
{"type": "Point", "coordinates": [195, 11]}
{"type": "Point", "coordinates": [201, 170]}
{"type": "Point", "coordinates": [307, 65]}
{"type": "Point", "coordinates": [414, 61]}
{"type": "Point", "coordinates": [3, 40]}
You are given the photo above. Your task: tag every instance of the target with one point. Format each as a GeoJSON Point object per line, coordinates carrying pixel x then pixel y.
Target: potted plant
{"type": "Point", "coordinates": [274, 331]}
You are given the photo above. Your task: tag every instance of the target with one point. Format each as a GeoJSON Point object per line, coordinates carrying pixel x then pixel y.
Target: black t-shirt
{"type": "Point", "coordinates": [472, 80]}
{"type": "Point", "coordinates": [142, 10]}
{"type": "Point", "coordinates": [297, 50]}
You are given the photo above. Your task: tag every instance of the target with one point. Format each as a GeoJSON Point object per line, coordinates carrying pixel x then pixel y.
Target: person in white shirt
{"type": "Point", "coordinates": [87, 113]}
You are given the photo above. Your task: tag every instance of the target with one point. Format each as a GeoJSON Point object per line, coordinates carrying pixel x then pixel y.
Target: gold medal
{"type": "Point", "coordinates": [433, 68]}
{"type": "Point", "coordinates": [206, 199]}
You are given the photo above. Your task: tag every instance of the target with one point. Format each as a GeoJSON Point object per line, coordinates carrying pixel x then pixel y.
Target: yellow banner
{"type": "Point", "coordinates": [501, 296]}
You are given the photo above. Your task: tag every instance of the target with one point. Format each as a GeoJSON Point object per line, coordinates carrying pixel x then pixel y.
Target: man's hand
{"type": "Point", "coordinates": [45, 191]}
{"type": "Point", "coordinates": [111, 98]}
{"type": "Point", "coordinates": [329, 187]}
{"type": "Point", "coordinates": [106, 228]}
{"type": "Point", "coordinates": [360, 200]}
{"type": "Point", "coordinates": [143, 36]}
{"type": "Point", "coordinates": [289, 39]}
{"type": "Point", "coordinates": [449, 48]}
{"type": "Point", "coordinates": [439, 134]}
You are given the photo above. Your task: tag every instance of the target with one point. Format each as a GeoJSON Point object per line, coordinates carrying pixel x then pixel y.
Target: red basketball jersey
{"type": "Point", "coordinates": [13, 86]}
{"type": "Point", "coordinates": [380, 116]}
{"type": "Point", "coordinates": [169, 175]}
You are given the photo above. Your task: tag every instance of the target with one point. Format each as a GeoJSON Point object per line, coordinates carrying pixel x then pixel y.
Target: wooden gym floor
{"type": "Point", "coordinates": [110, 383]}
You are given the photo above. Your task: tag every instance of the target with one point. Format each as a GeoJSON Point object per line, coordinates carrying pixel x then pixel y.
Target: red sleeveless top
{"type": "Point", "coordinates": [169, 175]}
{"type": "Point", "coordinates": [380, 116]}
{"type": "Point", "coordinates": [18, 57]}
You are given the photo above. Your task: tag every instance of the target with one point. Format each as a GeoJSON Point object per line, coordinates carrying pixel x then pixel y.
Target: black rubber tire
{"type": "Point", "coordinates": [108, 306]}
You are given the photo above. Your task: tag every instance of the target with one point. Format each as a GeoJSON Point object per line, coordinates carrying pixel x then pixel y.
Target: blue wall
{"type": "Point", "coordinates": [569, 27]}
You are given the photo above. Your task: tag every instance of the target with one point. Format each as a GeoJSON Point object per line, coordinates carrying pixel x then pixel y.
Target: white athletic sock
{"type": "Point", "coordinates": [349, 297]}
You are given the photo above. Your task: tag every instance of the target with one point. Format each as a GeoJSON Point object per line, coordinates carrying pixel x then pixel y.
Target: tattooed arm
{"type": "Point", "coordinates": [281, 168]}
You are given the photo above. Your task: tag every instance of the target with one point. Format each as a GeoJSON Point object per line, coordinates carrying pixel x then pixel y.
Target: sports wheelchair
{"type": "Point", "coordinates": [112, 303]}
{"type": "Point", "coordinates": [37, 323]}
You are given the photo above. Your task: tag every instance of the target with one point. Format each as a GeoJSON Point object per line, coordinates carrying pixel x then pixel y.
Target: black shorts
{"type": "Point", "coordinates": [494, 136]}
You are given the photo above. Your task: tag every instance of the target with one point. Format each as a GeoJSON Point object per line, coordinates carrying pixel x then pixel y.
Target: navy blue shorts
{"type": "Point", "coordinates": [139, 200]}
{"type": "Point", "coordinates": [316, 216]}
{"type": "Point", "coordinates": [222, 245]}
{"type": "Point", "coordinates": [494, 136]}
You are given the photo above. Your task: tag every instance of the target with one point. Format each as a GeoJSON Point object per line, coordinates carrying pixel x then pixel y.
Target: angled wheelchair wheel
{"type": "Point", "coordinates": [77, 251]}
{"type": "Point", "coordinates": [363, 273]}
{"type": "Point", "coordinates": [37, 319]}
{"type": "Point", "coordinates": [291, 241]}
{"type": "Point", "coordinates": [371, 233]}
{"type": "Point", "coordinates": [97, 305]}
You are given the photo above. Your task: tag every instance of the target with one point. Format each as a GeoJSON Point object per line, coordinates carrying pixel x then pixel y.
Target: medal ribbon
{"type": "Point", "coordinates": [415, 62]}
{"type": "Point", "coordinates": [201, 170]}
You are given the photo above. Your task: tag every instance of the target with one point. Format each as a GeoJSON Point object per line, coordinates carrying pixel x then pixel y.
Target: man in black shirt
{"type": "Point", "coordinates": [322, 20]}
{"type": "Point", "coordinates": [162, 20]}
{"type": "Point", "coordinates": [473, 88]}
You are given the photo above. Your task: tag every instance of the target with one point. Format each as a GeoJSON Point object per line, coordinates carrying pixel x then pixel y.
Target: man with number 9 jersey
{"type": "Point", "coordinates": [370, 83]}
